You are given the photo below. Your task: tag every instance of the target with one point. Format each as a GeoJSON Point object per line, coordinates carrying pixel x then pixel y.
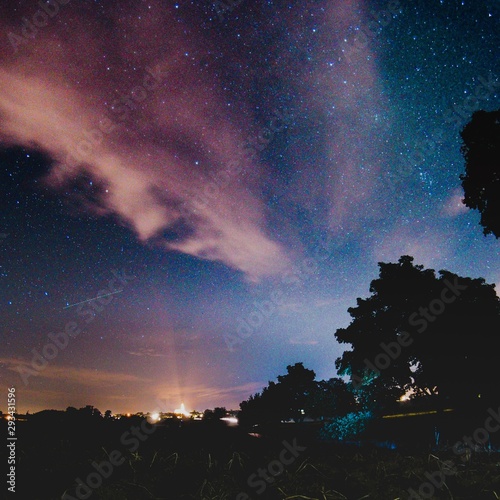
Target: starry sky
{"type": "Point", "coordinates": [198, 192]}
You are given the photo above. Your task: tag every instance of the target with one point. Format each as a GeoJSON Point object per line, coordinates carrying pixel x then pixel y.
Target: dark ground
{"type": "Point", "coordinates": [200, 460]}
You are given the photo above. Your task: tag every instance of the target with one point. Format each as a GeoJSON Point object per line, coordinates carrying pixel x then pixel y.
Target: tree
{"type": "Point", "coordinates": [215, 414]}
{"type": "Point", "coordinates": [90, 412]}
{"type": "Point", "coordinates": [208, 415]}
{"type": "Point", "coordinates": [268, 406]}
{"type": "Point", "coordinates": [433, 335]}
{"type": "Point", "coordinates": [219, 412]}
{"type": "Point", "coordinates": [330, 398]}
{"type": "Point", "coordinates": [481, 181]}
{"type": "Point", "coordinates": [296, 387]}
{"type": "Point", "coordinates": [283, 400]}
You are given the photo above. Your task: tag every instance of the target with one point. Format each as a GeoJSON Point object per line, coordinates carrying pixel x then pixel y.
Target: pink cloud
{"type": "Point", "coordinates": [303, 342]}
{"type": "Point", "coordinates": [344, 94]}
{"type": "Point", "coordinates": [453, 206]}
{"type": "Point", "coordinates": [151, 152]}
{"type": "Point", "coordinates": [72, 374]}
{"type": "Point", "coordinates": [429, 246]}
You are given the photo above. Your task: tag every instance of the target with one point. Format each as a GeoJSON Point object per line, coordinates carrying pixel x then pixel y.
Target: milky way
{"type": "Point", "coordinates": [209, 153]}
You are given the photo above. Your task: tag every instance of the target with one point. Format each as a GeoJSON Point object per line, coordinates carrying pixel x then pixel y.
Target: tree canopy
{"type": "Point", "coordinates": [296, 395]}
{"type": "Point", "coordinates": [431, 334]}
{"type": "Point", "coordinates": [428, 335]}
{"type": "Point", "coordinates": [481, 181]}
{"type": "Point", "coordinates": [282, 400]}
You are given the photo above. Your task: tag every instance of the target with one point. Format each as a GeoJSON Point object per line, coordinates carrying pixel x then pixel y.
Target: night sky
{"type": "Point", "coordinates": [237, 175]}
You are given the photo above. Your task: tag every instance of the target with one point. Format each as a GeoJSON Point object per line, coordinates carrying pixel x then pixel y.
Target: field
{"type": "Point", "coordinates": [199, 460]}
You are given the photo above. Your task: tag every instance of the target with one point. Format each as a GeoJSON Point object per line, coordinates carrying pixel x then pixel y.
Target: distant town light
{"type": "Point", "coordinates": [230, 420]}
{"type": "Point", "coordinates": [154, 417]}
{"type": "Point", "coordinates": [182, 411]}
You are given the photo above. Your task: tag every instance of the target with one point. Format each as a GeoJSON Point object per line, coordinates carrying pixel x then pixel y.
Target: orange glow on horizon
{"type": "Point", "coordinates": [182, 411]}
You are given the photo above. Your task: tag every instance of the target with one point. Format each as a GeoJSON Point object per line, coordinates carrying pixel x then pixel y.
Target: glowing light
{"type": "Point", "coordinates": [230, 420]}
{"type": "Point", "coordinates": [414, 414]}
{"type": "Point", "coordinates": [407, 395]}
{"type": "Point", "coordinates": [182, 411]}
{"type": "Point", "coordinates": [154, 417]}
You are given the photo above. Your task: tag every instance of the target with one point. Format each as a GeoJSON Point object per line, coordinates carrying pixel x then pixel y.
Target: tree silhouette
{"type": "Point", "coordinates": [208, 415]}
{"type": "Point", "coordinates": [90, 412]}
{"type": "Point", "coordinates": [481, 181]}
{"type": "Point", "coordinates": [433, 335]}
{"type": "Point", "coordinates": [215, 414]}
{"type": "Point", "coordinates": [219, 412]}
{"type": "Point", "coordinates": [286, 399]}
{"type": "Point", "coordinates": [296, 387]}
{"type": "Point", "coordinates": [330, 398]}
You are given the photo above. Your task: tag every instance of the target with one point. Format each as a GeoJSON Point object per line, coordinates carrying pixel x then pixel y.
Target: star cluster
{"type": "Point", "coordinates": [245, 166]}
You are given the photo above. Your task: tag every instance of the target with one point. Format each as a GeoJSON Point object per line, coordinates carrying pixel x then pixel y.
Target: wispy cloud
{"type": "Point", "coordinates": [149, 153]}
{"type": "Point", "coordinates": [149, 353]}
{"type": "Point", "coordinates": [74, 375]}
{"type": "Point", "coordinates": [430, 246]}
{"type": "Point", "coordinates": [201, 394]}
{"type": "Point", "coordinates": [296, 341]}
{"type": "Point", "coordinates": [344, 96]}
{"type": "Point", "coordinates": [453, 205]}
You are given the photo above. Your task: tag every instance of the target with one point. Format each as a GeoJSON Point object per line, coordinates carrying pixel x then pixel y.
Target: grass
{"type": "Point", "coordinates": [215, 463]}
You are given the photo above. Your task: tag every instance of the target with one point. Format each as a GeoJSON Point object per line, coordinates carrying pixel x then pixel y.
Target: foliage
{"type": "Point", "coordinates": [284, 400]}
{"type": "Point", "coordinates": [441, 341]}
{"type": "Point", "coordinates": [330, 398]}
{"type": "Point", "coordinates": [481, 181]}
{"type": "Point", "coordinates": [346, 427]}
{"type": "Point", "coordinates": [215, 414]}
{"type": "Point", "coordinates": [297, 395]}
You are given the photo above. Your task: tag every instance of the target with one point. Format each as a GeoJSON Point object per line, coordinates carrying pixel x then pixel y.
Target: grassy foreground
{"type": "Point", "coordinates": [199, 461]}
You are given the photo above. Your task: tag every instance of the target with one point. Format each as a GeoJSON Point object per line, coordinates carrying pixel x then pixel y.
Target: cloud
{"type": "Point", "coordinates": [327, 302]}
{"type": "Point", "coordinates": [150, 131]}
{"type": "Point", "coordinates": [136, 102]}
{"type": "Point", "coordinates": [145, 352]}
{"type": "Point", "coordinates": [345, 105]}
{"type": "Point", "coordinates": [72, 374]}
{"type": "Point", "coordinates": [203, 395]}
{"type": "Point", "coordinates": [429, 245]}
{"type": "Point", "coordinates": [453, 206]}
{"type": "Point", "coordinates": [303, 342]}
{"type": "Point", "coordinates": [164, 343]}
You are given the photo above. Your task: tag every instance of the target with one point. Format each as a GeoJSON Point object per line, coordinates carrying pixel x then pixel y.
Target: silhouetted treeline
{"type": "Point", "coordinates": [423, 335]}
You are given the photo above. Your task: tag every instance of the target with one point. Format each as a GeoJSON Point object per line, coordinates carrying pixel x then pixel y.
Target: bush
{"type": "Point", "coordinates": [346, 427]}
